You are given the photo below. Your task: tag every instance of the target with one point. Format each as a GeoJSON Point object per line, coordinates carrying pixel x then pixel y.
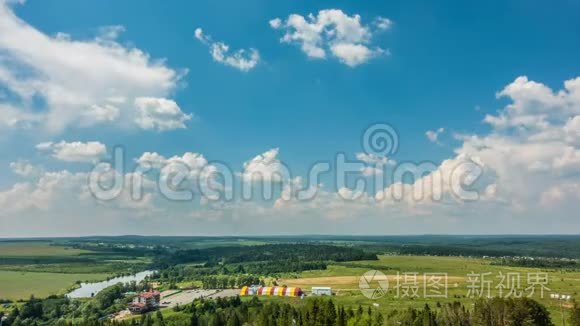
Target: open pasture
{"type": "Point", "coordinates": [35, 249]}
{"type": "Point", "coordinates": [410, 291]}
{"type": "Point", "coordinates": [39, 268]}
{"type": "Point", "coordinates": [21, 285]}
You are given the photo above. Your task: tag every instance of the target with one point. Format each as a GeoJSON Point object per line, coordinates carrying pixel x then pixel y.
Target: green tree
{"type": "Point", "coordinates": [329, 313]}
{"type": "Point", "coordinates": [341, 318]}
{"type": "Point", "coordinates": [159, 319]}
{"type": "Point", "coordinates": [194, 321]}
{"type": "Point", "coordinates": [575, 316]}
{"type": "Point", "coordinates": [378, 319]}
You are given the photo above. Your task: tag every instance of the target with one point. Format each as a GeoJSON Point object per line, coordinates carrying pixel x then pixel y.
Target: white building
{"type": "Point", "coordinates": [319, 290]}
{"type": "Point", "coordinates": [145, 301]}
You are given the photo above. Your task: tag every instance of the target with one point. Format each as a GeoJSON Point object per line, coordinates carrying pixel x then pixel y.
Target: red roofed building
{"type": "Point", "coordinates": [145, 301]}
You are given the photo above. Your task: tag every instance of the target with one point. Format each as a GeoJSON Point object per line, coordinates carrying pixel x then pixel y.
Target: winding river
{"type": "Point", "coordinates": [88, 290]}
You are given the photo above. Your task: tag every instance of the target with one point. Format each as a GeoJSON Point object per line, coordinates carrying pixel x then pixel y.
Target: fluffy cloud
{"type": "Point", "coordinates": [558, 195]}
{"type": "Point", "coordinates": [512, 179]}
{"type": "Point", "coordinates": [80, 82]}
{"type": "Point", "coordinates": [242, 59]}
{"type": "Point", "coordinates": [46, 192]}
{"type": "Point", "coordinates": [183, 175]}
{"type": "Point", "coordinates": [25, 169]}
{"type": "Point", "coordinates": [463, 178]}
{"type": "Point", "coordinates": [159, 114]}
{"type": "Point", "coordinates": [572, 131]}
{"type": "Point", "coordinates": [74, 151]}
{"type": "Point", "coordinates": [375, 164]}
{"type": "Point", "coordinates": [383, 23]}
{"type": "Point", "coordinates": [433, 135]}
{"type": "Point", "coordinates": [195, 162]}
{"type": "Point", "coordinates": [265, 167]}
{"type": "Point", "coordinates": [533, 144]}
{"type": "Point", "coordinates": [64, 201]}
{"type": "Point", "coordinates": [332, 31]}
{"type": "Point", "coordinates": [535, 106]}
{"type": "Point", "coordinates": [11, 117]}
{"type": "Point", "coordinates": [374, 159]}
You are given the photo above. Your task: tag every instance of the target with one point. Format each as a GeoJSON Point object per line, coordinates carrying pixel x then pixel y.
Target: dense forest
{"type": "Point", "coordinates": [263, 260]}
{"type": "Point", "coordinates": [537, 262]}
{"type": "Point", "coordinates": [561, 246]}
{"type": "Point", "coordinates": [179, 273]}
{"type": "Point", "coordinates": [270, 252]}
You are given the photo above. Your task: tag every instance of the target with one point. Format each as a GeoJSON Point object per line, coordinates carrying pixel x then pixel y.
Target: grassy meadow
{"type": "Point", "coordinates": [36, 249]}
{"type": "Point", "coordinates": [20, 285]}
{"type": "Point", "coordinates": [40, 268]}
{"type": "Point", "coordinates": [344, 279]}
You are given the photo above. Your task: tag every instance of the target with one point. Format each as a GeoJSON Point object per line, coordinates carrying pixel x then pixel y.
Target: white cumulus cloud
{"type": "Point", "coordinates": [25, 168]}
{"type": "Point", "coordinates": [335, 32]}
{"type": "Point", "coordinates": [533, 143]}
{"type": "Point", "coordinates": [374, 159]}
{"type": "Point", "coordinates": [265, 167]}
{"type": "Point", "coordinates": [242, 59]}
{"type": "Point", "coordinates": [159, 114]}
{"type": "Point", "coordinates": [74, 151]}
{"type": "Point", "coordinates": [81, 82]}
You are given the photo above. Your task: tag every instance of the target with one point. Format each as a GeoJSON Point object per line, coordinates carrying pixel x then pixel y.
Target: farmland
{"type": "Point", "coordinates": [345, 280]}
{"type": "Point", "coordinates": [43, 268]}
{"type": "Point", "coordinates": [21, 285]}
{"type": "Point", "coordinates": [36, 249]}
{"type": "Point", "coordinates": [51, 267]}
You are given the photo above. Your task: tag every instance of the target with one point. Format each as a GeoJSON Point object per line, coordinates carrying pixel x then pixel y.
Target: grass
{"type": "Point", "coordinates": [36, 249]}
{"type": "Point", "coordinates": [344, 279]}
{"type": "Point", "coordinates": [20, 285]}
{"type": "Point", "coordinates": [21, 280]}
{"type": "Point", "coordinates": [45, 257]}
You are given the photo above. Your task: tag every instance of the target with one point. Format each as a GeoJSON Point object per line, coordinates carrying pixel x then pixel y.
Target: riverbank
{"type": "Point", "coordinates": [21, 285]}
{"type": "Point", "coordinates": [89, 289]}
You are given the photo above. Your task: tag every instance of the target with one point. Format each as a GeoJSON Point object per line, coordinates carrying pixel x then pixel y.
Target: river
{"type": "Point", "coordinates": [88, 290]}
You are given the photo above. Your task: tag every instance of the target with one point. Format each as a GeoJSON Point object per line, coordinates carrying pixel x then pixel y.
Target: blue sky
{"type": "Point", "coordinates": [441, 65]}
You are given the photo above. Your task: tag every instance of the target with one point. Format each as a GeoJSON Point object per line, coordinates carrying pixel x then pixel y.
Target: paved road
{"type": "Point", "coordinates": [171, 298]}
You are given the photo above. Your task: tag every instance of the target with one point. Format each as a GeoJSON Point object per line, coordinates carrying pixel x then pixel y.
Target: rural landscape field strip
{"type": "Point", "coordinates": [204, 271]}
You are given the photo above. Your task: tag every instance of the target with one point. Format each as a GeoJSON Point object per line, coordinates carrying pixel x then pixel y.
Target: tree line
{"type": "Point", "coordinates": [310, 312]}
{"type": "Point", "coordinates": [271, 252]}
{"type": "Point", "coordinates": [323, 312]}
{"type": "Point", "coordinates": [537, 262]}
{"type": "Point", "coordinates": [229, 282]}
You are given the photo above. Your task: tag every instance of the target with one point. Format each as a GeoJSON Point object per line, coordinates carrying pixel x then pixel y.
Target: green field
{"type": "Point", "coordinates": [21, 275]}
{"type": "Point", "coordinates": [20, 285]}
{"type": "Point", "coordinates": [36, 249]}
{"type": "Point", "coordinates": [43, 268]}
{"type": "Point", "coordinates": [344, 279]}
